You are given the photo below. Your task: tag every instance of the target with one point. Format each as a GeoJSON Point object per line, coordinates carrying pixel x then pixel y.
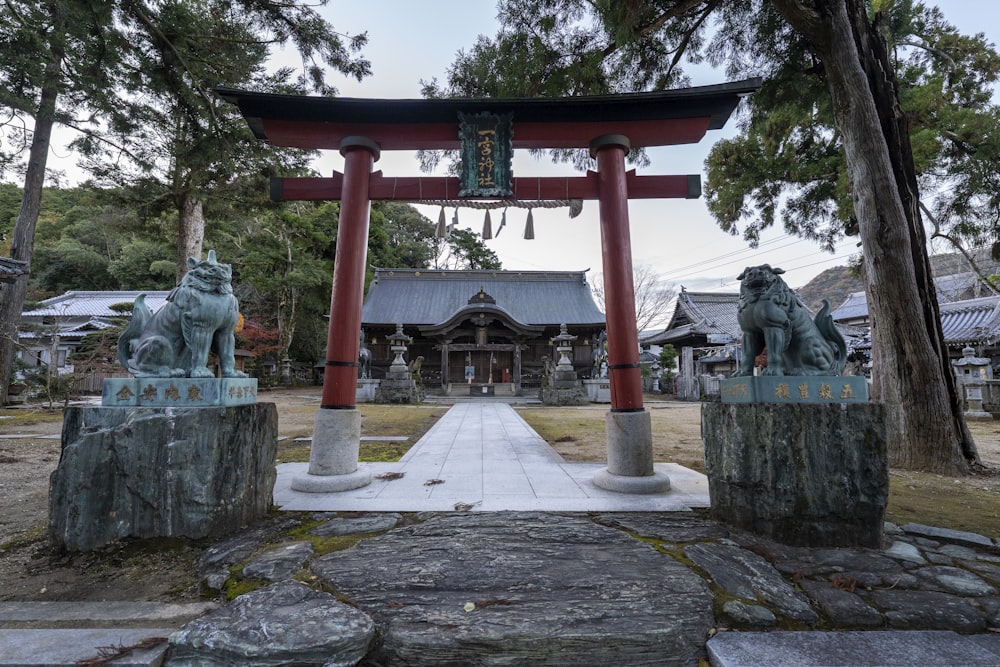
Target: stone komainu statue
{"type": "Point", "coordinates": [414, 369]}
{"type": "Point", "coordinates": [199, 317]}
{"type": "Point", "coordinates": [771, 316]}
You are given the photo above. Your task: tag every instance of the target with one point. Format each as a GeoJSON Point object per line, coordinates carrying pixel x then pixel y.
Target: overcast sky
{"type": "Point", "coordinates": [677, 237]}
{"type": "Point", "coordinates": [410, 41]}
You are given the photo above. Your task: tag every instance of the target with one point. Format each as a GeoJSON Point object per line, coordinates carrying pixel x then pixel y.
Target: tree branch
{"type": "Point", "coordinates": [957, 244]}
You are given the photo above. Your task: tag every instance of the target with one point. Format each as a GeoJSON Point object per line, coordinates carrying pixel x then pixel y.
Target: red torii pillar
{"type": "Point", "coordinates": [333, 456]}
{"type": "Point", "coordinates": [629, 429]}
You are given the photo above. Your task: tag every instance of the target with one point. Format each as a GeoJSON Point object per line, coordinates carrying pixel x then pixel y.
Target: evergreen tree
{"type": "Point", "coordinates": [831, 122]}
{"type": "Point", "coordinates": [89, 64]}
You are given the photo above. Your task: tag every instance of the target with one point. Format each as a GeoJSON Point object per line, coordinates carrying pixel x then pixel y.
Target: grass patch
{"type": "Point", "coordinates": [237, 587]}
{"type": "Point", "coordinates": [30, 417]}
{"type": "Point", "coordinates": [383, 452]}
{"type": "Point", "coordinates": [965, 503]}
{"type": "Point", "coordinates": [27, 538]}
{"type": "Point", "coordinates": [376, 420]}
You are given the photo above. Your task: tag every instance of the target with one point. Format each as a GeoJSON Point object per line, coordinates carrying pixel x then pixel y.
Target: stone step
{"type": "Point", "coordinates": [56, 614]}
{"type": "Point", "coordinates": [888, 648]}
{"type": "Point", "coordinates": [70, 646]}
{"type": "Point", "coordinates": [53, 634]}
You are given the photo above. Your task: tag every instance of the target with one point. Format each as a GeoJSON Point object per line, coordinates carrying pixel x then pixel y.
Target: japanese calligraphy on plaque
{"type": "Point", "coordinates": [487, 149]}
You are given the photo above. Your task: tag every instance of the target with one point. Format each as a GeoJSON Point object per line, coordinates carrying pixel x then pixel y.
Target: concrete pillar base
{"type": "Point", "coordinates": [630, 456]}
{"type": "Point", "coordinates": [630, 443]}
{"type": "Point", "coordinates": [333, 458]}
{"type": "Point", "coordinates": [658, 482]}
{"type": "Point", "coordinates": [310, 483]}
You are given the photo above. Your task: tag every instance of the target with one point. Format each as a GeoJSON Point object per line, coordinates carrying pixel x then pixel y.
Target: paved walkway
{"type": "Point", "coordinates": [482, 456]}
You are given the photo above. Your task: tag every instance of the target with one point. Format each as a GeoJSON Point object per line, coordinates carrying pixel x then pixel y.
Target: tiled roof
{"type": "Point", "coordinates": [701, 313]}
{"type": "Point", "coordinates": [854, 307]}
{"type": "Point", "coordinates": [93, 304]}
{"type": "Point", "coordinates": [971, 321]}
{"type": "Point", "coordinates": [427, 297]}
{"type": "Point", "coordinates": [11, 268]}
{"type": "Point", "coordinates": [962, 322]}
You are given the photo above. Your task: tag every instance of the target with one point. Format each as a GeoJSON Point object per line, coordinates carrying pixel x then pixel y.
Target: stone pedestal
{"type": "Point", "coordinates": [178, 392]}
{"type": "Point", "coordinates": [161, 472]}
{"type": "Point", "coordinates": [598, 391]}
{"type": "Point", "coordinates": [404, 390]}
{"type": "Point", "coordinates": [333, 457]}
{"type": "Point", "coordinates": [366, 391]}
{"type": "Point", "coordinates": [630, 456]}
{"type": "Point", "coordinates": [802, 474]}
{"type": "Point", "coordinates": [570, 394]}
{"type": "Point", "coordinates": [974, 401]}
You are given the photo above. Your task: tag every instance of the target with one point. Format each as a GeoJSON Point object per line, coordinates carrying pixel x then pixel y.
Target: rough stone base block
{"type": "Point", "coordinates": [161, 472]}
{"type": "Point", "coordinates": [804, 475]}
{"type": "Point", "coordinates": [399, 391]}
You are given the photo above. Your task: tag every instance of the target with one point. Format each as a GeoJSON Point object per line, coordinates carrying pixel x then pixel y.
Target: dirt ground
{"type": "Point", "coordinates": [163, 569]}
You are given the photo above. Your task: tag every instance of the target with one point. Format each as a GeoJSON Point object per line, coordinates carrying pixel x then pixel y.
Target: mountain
{"type": "Point", "coordinates": [835, 285]}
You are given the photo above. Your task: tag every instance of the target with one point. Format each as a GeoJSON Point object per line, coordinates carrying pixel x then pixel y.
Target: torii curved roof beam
{"type": "Point", "coordinates": [661, 118]}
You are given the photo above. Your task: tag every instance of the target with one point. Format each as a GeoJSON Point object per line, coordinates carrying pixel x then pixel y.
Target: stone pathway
{"type": "Point", "coordinates": [482, 455]}
{"type": "Point", "coordinates": [645, 588]}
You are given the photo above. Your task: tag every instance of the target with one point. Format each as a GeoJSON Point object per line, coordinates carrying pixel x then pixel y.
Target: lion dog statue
{"type": "Point", "coordinates": [771, 316]}
{"type": "Point", "coordinates": [199, 317]}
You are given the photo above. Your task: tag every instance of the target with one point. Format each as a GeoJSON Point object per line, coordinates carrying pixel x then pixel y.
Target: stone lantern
{"type": "Point", "coordinates": [971, 372]}
{"type": "Point", "coordinates": [400, 384]}
{"type": "Point", "coordinates": [398, 343]}
{"type": "Point", "coordinates": [564, 346]}
{"type": "Point", "coordinates": [564, 387]}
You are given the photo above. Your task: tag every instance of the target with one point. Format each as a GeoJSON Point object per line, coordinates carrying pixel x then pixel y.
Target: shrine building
{"type": "Point", "coordinates": [497, 323]}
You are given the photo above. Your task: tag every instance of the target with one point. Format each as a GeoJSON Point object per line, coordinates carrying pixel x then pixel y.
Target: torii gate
{"type": "Point", "coordinates": [609, 125]}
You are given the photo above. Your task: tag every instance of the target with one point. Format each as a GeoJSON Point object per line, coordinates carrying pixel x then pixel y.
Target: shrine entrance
{"type": "Point", "coordinates": [486, 132]}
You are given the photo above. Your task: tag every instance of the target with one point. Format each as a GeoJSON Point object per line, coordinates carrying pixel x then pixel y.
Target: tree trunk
{"type": "Point", "coordinates": [23, 237]}
{"type": "Point", "coordinates": [912, 375]}
{"type": "Point", "coordinates": [190, 233]}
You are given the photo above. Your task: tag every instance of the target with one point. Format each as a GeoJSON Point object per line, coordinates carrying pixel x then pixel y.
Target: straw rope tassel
{"type": "Point", "coordinates": [441, 228]}
{"type": "Point", "coordinates": [487, 226]}
{"type": "Point", "coordinates": [529, 226]}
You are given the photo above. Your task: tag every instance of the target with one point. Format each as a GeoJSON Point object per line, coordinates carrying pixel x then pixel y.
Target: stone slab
{"type": "Point", "coordinates": [794, 389]}
{"type": "Point", "coordinates": [286, 623]}
{"type": "Point", "coordinates": [55, 648]}
{"type": "Point", "coordinates": [849, 649]}
{"type": "Point", "coordinates": [178, 392]}
{"type": "Point", "coordinates": [522, 589]}
{"type": "Point", "coordinates": [960, 537]}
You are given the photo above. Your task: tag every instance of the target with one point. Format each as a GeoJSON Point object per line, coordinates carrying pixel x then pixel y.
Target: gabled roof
{"type": "Point", "coordinates": [75, 329]}
{"type": "Point", "coordinates": [960, 287]}
{"type": "Point", "coordinates": [431, 297]}
{"type": "Point", "coordinates": [701, 314]}
{"type": "Point", "coordinates": [94, 304]}
{"type": "Point", "coordinates": [854, 307]}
